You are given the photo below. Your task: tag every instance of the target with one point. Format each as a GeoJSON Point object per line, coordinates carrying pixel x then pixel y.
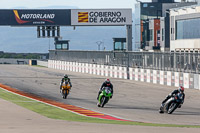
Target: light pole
{"type": "Point", "coordinates": [99, 44]}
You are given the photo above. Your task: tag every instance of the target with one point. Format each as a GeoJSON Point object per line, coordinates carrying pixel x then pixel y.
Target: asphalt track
{"type": "Point", "coordinates": [136, 101]}
{"type": "Point", "coordinates": [22, 120]}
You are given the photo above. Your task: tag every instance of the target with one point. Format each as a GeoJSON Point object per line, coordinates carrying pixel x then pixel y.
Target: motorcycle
{"type": "Point", "coordinates": [65, 89]}
{"type": "Point", "coordinates": [104, 97]}
{"type": "Point", "coordinates": [172, 104]}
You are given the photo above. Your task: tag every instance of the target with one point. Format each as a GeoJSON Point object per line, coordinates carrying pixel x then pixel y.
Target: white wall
{"type": "Point", "coordinates": [186, 43]}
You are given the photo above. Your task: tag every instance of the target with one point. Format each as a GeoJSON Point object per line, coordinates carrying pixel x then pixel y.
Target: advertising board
{"type": "Point", "coordinates": [88, 17]}
{"type": "Point", "coordinates": [35, 17]}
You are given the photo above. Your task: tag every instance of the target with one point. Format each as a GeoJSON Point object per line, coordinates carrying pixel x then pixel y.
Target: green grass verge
{"type": "Point", "coordinates": [56, 113]}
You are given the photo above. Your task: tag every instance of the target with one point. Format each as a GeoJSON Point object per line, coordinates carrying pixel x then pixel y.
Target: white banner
{"type": "Point", "coordinates": [101, 17]}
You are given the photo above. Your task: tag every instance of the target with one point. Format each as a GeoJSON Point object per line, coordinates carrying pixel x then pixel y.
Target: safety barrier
{"type": "Point", "coordinates": [42, 63]}
{"type": "Point", "coordinates": [169, 78]}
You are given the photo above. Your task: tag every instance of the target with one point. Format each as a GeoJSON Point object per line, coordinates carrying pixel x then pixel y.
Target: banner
{"type": "Point", "coordinates": [101, 17]}
{"type": "Point", "coordinates": [35, 17]}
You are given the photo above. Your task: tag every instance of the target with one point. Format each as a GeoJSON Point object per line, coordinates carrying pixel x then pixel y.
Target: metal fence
{"type": "Point", "coordinates": [180, 62]}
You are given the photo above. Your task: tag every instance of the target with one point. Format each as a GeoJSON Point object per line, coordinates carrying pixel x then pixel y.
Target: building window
{"type": "Point", "coordinates": [151, 35]}
{"type": "Point", "coordinates": [58, 46]}
{"type": "Point", "coordinates": [188, 29]}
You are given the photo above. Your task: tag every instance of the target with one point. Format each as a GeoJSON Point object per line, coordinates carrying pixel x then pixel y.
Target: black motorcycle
{"type": "Point", "coordinates": [172, 104]}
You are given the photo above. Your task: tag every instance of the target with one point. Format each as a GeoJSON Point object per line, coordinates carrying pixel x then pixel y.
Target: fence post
{"type": "Point", "coordinates": [127, 67]}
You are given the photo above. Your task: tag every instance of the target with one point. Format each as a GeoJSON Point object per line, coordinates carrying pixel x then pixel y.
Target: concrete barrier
{"type": "Point", "coordinates": [102, 67]}
{"type": "Point", "coordinates": [136, 74]}
{"type": "Point", "coordinates": [188, 80]}
{"type": "Point", "coordinates": [148, 75]}
{"type": "Point", "coordinates": [116, 72]}
{"type": "Point", "coordinates": [162, 77]}
{"type": "Point", "coordinates": [131, 73]}
{"type": "Point", "coordinates": [155, 76]}
{"type": "Point", "coordinates": [142, 75]}
{"type": "Point", "coordinates": [177, 79]}
{"type": "Point", "coordinates": [86, 68]}
{"type": "Point", "coordinates": [90, 69]}
{"type": "Point", "coordinates": [124, 72]}
{"type": "Point", "coordinates": [111, 71]}
{"type": "Point", "coordinates": [169, 78]}
{"type": "Point", "coordinates": [94, 69]}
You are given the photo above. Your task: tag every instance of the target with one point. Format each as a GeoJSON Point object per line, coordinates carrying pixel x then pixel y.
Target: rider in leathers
{"type": "Point", "coordinates": [106, 83]}
{"type": "Point", "coordinates": [65, 78]}
{"type": "Point", "coordinates": [179, 90]}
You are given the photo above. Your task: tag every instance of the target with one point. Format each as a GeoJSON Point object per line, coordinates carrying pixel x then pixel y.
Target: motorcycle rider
{"type": "Point", "coordinates": [106, 83]}
{"type": "Point", "coordinates": [65, 79]}
{"type": "Point", "coordinates": [179, 90]}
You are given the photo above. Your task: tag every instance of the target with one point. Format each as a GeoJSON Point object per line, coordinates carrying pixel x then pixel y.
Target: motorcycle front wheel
{"type": "Point", "coordinates": [103, 101]}
{"type": "Point", "coordinates": [172, 107]}
{"type": "Point", "coordinates": [65, 93]}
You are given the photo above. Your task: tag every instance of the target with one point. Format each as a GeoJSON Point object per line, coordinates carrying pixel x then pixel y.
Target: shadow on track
{"type": "Point", "coordinates": [186, 113]}
{"type": "Point", "coordinates": [129, 107]}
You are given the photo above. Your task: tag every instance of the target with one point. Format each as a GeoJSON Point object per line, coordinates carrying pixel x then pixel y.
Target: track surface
{"type": "Point", "coordinates": [132, 100]}
{"type": "Point", "coordinates": [22, 120]}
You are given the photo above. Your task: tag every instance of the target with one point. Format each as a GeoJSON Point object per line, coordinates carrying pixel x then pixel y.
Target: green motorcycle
{"type": "Point", "coordinates": [104, 96]}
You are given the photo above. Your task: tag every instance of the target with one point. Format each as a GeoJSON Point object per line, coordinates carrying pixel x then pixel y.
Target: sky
{"type": "Point", "coordinates": [81, 4]}
{"type": "Point", "coordinates": [85, 4]}
{"type": "Point", "coordinates": [9, 4]}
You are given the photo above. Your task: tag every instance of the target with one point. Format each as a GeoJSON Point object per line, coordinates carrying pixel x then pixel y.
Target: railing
{"type": "Point", "coordinates": [167, 61]}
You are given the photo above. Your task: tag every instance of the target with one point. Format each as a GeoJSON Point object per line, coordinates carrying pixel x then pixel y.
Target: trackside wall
{"type": "Point", "coordinates": [169, 78]}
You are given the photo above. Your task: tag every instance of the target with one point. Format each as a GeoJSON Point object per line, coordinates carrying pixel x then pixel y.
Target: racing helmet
{"type": "Point", "coordinates": [181, 89]}
{"type": "Point", "coordinates": [107, 81]}
{"type": "Point", "coordinates": [65, 76]}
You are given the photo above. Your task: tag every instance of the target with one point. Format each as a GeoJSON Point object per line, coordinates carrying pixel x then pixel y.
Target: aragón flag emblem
{"type": "Point", "coordinates": [83, 17]}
